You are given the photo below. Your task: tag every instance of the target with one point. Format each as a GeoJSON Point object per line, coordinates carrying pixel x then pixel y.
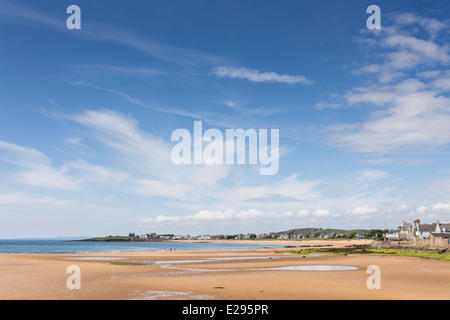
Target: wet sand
{"type": "Point", "coordinates": [221, 274]}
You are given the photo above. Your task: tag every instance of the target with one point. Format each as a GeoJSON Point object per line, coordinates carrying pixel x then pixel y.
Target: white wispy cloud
{"type": "Point", "coordinates": [146, 170]}
{"type": "Point", "coordinates": [226, 215]}
{"type": "Point", "coordinates": [47, 177]}
{"type": "Point", "coordinates": [403, 48]}
{"type": "Point", "coordinates": [432, 26]}
{"type": "Point", "coordinates": [441, 206]}
{"type": "Point", "coordinates": [257, 76]}
{"type": "Point", "coordinates": [121, 70]}
{"type": "Point", "coordinates": [148, 158]}
{"type": "Point", "coordinates": [371, 175]}
{"type": "Point", "coordinates": [221, 119]}
{"type": "Point", "coordinates": [321, 213]}
{"type": "Point", "coordinates": [23, 156]}
{"type": "Point", "coordinates": [36, 169]}
{"type": "Point", "coordinates": [159, 219]}
{"type": "Point", "coordinates": [363, 211]}
{"type": "Point", "coordinates": [413, 116]}
{"type": "Point", "coordinates": [112, 34]}
{"type": "Point", "coordinates": [324, 105]}
{"type": "Point", "coordinates": [411, 110]}
{"type": "Point", "coordinates": [95, 174]}
{"type": "Point", "coordinates": [21, 199]}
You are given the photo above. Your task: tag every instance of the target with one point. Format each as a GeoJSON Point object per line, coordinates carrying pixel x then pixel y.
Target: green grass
{"type": "Point", "coordinates": [366, 250]}
{"type": "Point", "coordinates": [414, 253]}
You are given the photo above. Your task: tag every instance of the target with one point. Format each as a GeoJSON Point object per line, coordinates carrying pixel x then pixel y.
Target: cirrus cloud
{"type": "Point", "coordinates": [257, 76]}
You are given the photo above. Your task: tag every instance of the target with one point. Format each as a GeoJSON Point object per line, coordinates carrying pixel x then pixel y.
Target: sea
{"type": "Point", "coordinates": [26, 246]}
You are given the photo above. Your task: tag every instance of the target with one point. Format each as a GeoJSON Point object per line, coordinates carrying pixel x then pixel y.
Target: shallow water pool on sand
{"type": "Point", "coordinates": [287, 268]}
{"type": "Point", "coordinates": [167, 295]}
{"type": "Point", "coordinates": [311, 268]}
{"type": "Point", "coordinates": [94, 258]}
{"type": "Point", "coordinates": [201, 260]}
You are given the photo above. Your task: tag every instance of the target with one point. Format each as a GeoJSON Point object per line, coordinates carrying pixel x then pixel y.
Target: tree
{"type": "Point", "coordinates": [375, 233]}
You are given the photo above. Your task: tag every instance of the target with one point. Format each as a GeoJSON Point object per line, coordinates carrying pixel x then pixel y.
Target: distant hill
{"type": "Point", "coordinates": [304, 231]}
{"type": "Point", "coordinates": [118, 239]}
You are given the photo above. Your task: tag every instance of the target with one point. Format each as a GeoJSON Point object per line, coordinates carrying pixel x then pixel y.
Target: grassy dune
{"type": "Point", "coordinates": [367, 250]}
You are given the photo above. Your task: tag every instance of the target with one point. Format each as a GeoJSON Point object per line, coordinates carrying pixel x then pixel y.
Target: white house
{"type": "Point", "coordinates": [423, 230]}
{"type": "Point", "coordinates": [442, 227]}
{"type": "Point", "coordinates": [392, 235]}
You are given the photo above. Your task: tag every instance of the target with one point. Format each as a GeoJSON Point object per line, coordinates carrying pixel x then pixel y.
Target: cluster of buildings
{"type": "Point", "coordinates": [154, 236]}
{"type": "Point", "coordinates": [252, 236]}
{"type": "Point", "coordinates": [425, 234]}
{"type": "Point", "coordinates": [320, 235]}
{"type": "Point", "coordinates": [420, 234]}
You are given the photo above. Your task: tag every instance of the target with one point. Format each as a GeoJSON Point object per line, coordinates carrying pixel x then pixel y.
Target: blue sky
{"type": "Point", "coordinates": [86, 116]}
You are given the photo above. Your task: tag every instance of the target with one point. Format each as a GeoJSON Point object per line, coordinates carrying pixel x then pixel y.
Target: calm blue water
{"type": "Point", "coordinates": [64, 247]}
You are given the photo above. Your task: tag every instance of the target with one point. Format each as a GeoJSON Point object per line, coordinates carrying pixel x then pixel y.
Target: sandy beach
{"type": "Point", "coordinates": [252, 274]}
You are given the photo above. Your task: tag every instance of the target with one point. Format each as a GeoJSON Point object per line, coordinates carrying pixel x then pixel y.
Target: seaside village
{"type": "Point", "coordinates": [422, 234]}
{"type": "Point", "coordinates": [435, 234]}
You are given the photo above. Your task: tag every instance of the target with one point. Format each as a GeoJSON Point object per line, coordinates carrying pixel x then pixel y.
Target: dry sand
{"type": "Point", "coordinates": [160, 275]}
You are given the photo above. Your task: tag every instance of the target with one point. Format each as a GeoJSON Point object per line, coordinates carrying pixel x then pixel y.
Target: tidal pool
{"type": "Point", "coordinates": [311, 268]}
{"type": "Point", "coordinates": [287, 268]}
{"type": "Point", "coordinates": [94, 258]}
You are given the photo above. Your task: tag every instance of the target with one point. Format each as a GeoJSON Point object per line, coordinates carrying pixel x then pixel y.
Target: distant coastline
{"type": "Point", "coordinates": [118, 239]}
{"type": "Point", "coordinates": [292, 234]}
